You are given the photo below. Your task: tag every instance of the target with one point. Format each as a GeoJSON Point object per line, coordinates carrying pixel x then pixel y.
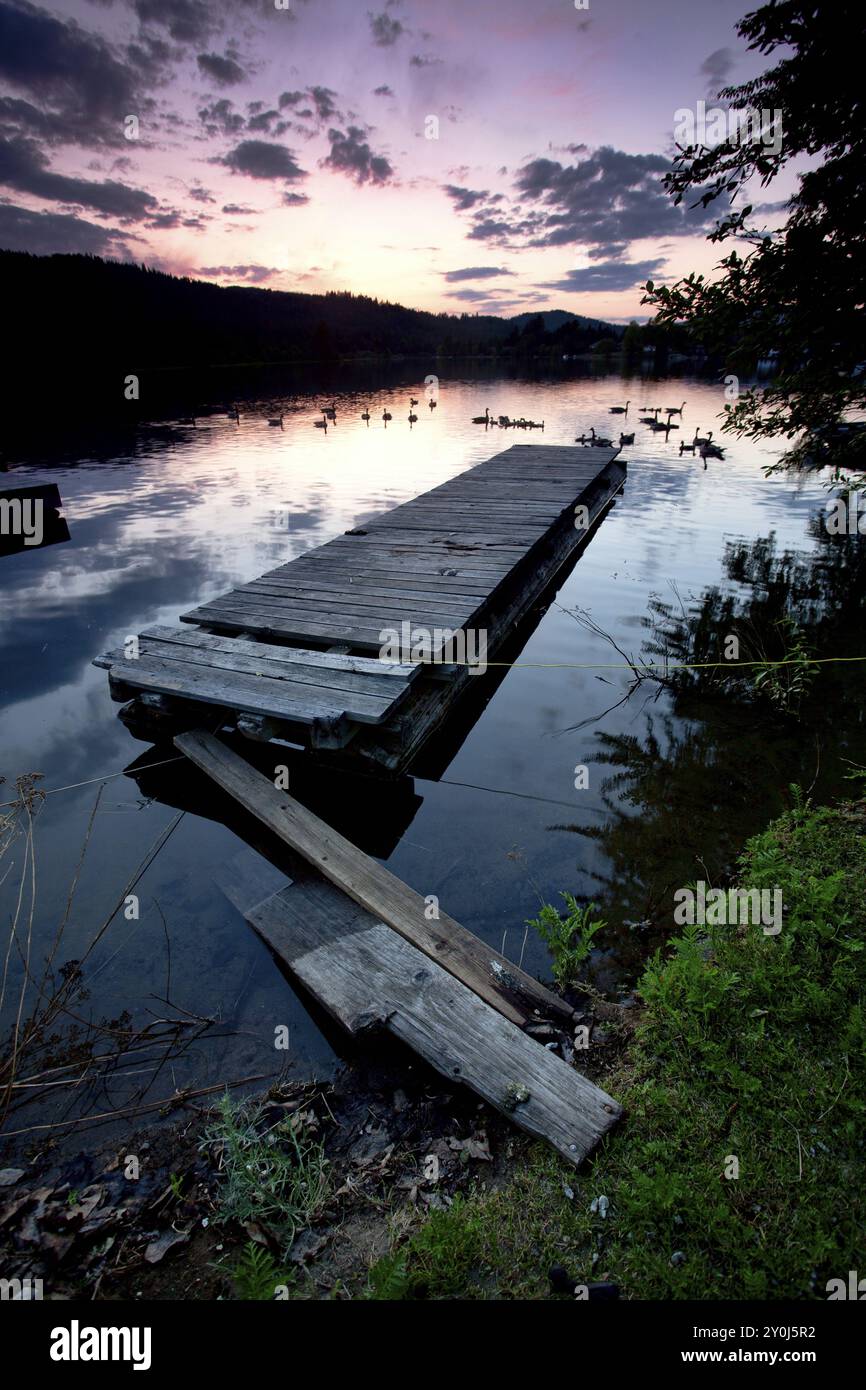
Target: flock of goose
{"type": "Point", "coordinates": [700, 444]}
{"type": "Point", "coordinates": [505, 422]}
{"type": "Point", "coordinates": [329, 413]}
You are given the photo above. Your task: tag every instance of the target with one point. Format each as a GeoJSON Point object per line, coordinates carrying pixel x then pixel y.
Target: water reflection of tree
{"type": "Point", "coordinates": [718, 764]}
{"type": "Point", "coordinates": [821, 595]}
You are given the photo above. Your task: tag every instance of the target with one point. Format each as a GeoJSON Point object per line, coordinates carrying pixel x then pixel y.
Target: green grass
{"type": "Point", "coordinates": [749, 1046]}
{"type": "Point", "coordinates": [275, 1177]}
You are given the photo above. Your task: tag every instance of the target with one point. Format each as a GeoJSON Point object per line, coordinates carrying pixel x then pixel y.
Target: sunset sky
{"type": "Point", "coordinates": [290, 148]}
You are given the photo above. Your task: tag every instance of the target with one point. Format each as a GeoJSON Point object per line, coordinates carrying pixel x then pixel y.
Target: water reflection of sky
{"type": "Point", "coordinates": [189, 512]}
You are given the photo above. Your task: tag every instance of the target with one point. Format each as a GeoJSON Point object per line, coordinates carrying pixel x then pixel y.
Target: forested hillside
{"type": "Point", "coordinates": [83, 310]}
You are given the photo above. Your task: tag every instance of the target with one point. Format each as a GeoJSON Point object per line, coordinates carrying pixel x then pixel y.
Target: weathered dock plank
{"type": "Point", "coordinates": [284, 682]}
{"type": "Point", "coordinates": [232, 689]}
{"type": "Point", "coordinates": [367, 976]}
{"type": "Point", "coordinates": [365, 675]}
{"type": "Point", "coordinates": [502, 984]}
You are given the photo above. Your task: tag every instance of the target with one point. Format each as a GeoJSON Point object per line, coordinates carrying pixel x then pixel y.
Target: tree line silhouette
{"type": "Point", "coordinates": [80, 313]}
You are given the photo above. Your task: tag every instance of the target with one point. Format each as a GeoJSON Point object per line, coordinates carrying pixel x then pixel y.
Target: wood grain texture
{"type": "Point", "coordinates": [486, 517]}
{"type": "Point", "coordinates": [226, 654]}
{"type": "Point", "coordinates": [504, 985]}
{"type": "Point", "coordinates": [366, 975]}
{"type": "Point", "coordinates": [394, 744]}
{"type": "Point", "coordinates": [227, 689]}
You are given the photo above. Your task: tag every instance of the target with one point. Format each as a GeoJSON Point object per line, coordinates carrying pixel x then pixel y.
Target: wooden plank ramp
{"type": "Point", "coordinates": [368, 977]}
{"type": "Point", "coordinates": [519, 997]}
{"type": "Point", "coordinates": [360, 941]}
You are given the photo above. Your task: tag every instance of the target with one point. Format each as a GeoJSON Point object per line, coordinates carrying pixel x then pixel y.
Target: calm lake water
{"type": "Point", "coordinates": [186, 513]}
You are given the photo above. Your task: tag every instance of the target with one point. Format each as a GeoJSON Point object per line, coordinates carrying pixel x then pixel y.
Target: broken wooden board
{"type": "Point", "coordinates": [369, 977]}
{"type": "Point", "coordinates": [516, 995]}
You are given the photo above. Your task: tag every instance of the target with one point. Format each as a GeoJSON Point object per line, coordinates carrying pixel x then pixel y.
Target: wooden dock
{"type": "Point", "coordinates": [294, 654]}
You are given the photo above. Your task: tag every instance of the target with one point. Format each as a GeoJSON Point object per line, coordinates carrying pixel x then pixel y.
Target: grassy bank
{"type": "Point", "coordinates": [749, 1059]}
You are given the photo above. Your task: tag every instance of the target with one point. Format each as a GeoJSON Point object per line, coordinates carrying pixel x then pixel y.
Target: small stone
{"type": "Point", "coordinates": [678, 1258]}
{"type": "Point", "coordinates": [10, 1175]}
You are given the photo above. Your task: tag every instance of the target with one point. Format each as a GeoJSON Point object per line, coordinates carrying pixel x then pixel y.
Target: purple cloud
{"type": "Point", "coordinates": [351, 154]}
{"type": "Point", "coordinates": [260, 160]}
{"type": "Point", "coordinates": [476, 272]}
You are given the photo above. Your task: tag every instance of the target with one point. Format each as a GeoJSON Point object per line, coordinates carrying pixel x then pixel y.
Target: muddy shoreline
{"type": "Point", "coordinates": [143, 1220]}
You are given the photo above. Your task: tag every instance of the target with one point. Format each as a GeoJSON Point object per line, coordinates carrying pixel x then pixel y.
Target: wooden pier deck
{"type": "Point", "coordinates": [289, 655]}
